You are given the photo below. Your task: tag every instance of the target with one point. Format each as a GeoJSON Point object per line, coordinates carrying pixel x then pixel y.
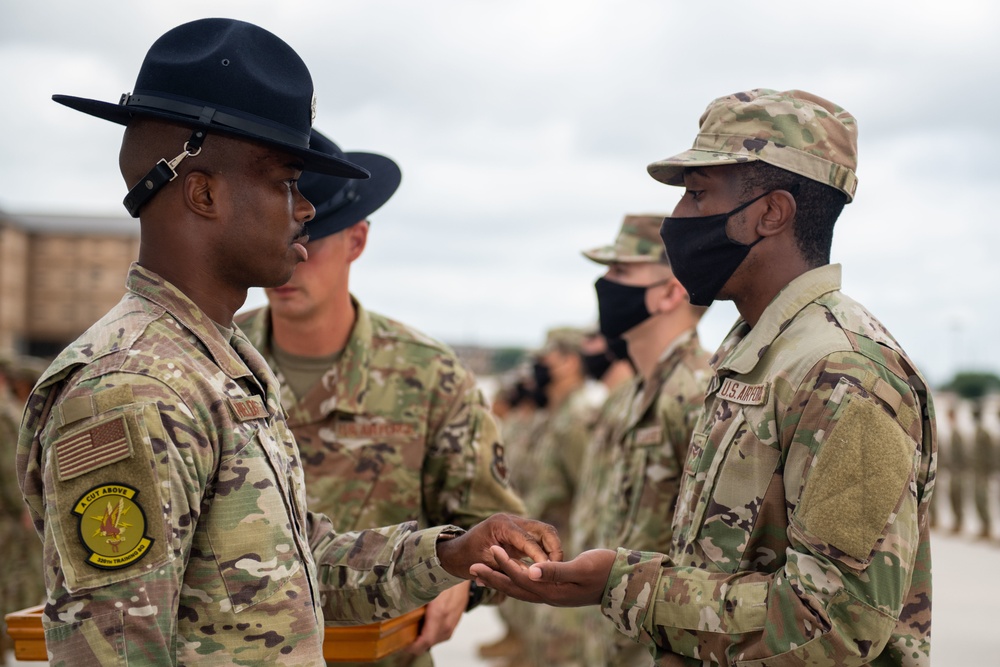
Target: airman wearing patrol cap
{"type": "Point", "coordinates": [801, 534]}
{"type": "Point", "coordinates": [633, 466]}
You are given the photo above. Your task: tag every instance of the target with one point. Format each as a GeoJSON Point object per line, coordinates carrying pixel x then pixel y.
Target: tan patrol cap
{"type": "Point", "coordinates": [794, 130]}
{"type": "Point", "coordinates": [638, 241]}
{"type": "Point", "coordinates": [564, 339]}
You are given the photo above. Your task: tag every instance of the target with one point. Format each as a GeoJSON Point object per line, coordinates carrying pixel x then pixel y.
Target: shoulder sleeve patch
{"type": "Point", "coordinates": [105, 506]}
{"type": "Point", "coordinates": [860, 474]}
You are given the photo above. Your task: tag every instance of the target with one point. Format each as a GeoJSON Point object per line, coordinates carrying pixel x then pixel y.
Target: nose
{"type": "Point", "coordinates": [304, 210]}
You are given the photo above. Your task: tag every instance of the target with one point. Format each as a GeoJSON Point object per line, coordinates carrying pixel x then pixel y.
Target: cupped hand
{"type": "Point", "coordinates": [576, 583]}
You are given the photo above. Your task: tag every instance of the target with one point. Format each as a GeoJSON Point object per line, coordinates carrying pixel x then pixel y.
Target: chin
{"type": "Point", "coordinates": [273, 282]}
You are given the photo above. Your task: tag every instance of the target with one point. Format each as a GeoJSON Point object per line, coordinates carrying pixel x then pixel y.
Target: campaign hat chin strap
{"type": "Point", "coordinates": [162, 173]}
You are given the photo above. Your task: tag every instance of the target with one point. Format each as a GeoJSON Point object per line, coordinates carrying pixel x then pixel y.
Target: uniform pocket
{"type": "Point", "coordinates": [648, 496]}
{"type": "Point", "coordinates": [364, 474]}
{"type": "Point", "coordinates": [738, 482]}
{"type": "Point", "coordinates": [98, 640]}
{"type": "Point", "coordinates": [249, 528]}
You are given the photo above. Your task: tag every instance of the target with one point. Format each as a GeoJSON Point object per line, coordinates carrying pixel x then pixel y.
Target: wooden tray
{"type": "Point", "coordinates": [358, 643]}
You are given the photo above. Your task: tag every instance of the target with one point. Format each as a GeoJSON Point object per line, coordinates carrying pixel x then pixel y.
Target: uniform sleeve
{"type": "Point", "coordinates": [115, 501]}
{"type": "Point", "coordinates": [852, 459]}
{"type": "Point", "coordinates": [372, 575]}
{"type": "Point", "coordinates": [465, 477]}
{"type": "Point", "coordinates": [11, 505]}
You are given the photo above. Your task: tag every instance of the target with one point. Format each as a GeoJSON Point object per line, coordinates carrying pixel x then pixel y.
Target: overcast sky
{"type": "Point", "coordinates": [523, 130]}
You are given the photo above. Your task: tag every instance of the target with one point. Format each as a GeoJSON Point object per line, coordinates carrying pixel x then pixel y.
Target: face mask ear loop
{"type": "Point", "coordinates": [162, 173]}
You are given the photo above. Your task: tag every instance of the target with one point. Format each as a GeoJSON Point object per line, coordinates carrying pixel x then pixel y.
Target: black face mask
{"type": "Point", "coordinates": [543, 378]}
{"type": "Point", "coordinates": [621, 307]}
{"type": "Point", "coordinates": [702, 255]}
{"type": "Point", "coordinates": [618, 348]}
{"type": "Point", "coordinates": [596, 365]}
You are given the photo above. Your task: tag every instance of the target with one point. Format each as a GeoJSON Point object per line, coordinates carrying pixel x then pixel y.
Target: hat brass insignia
{"type": "Point", "coordinates": [112, 526]}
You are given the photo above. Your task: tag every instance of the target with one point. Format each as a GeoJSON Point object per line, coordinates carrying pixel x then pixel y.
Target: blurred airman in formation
{"type": "Point", "coordinates": [969, 463]}
{"type": "Point", "coordinates": [21, 583]}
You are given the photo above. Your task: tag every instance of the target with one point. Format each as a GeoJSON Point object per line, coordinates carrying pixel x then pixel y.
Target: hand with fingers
{"type": "Point", "coordinates": [511, 535]}
{"type": "Point", "coordinates": [577, 583]}
{"type": "Point", "coordinates": [441, 618]}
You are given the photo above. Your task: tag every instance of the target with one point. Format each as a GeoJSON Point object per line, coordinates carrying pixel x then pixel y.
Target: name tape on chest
{"type": "Point", "coordinates": [651, 435]}
{"type": "Point", "coordinates": [373, 431]}
{"type": "Point", "coordinates": [248, 408]}
{"type": "Point", "coordinates": [743, 393]}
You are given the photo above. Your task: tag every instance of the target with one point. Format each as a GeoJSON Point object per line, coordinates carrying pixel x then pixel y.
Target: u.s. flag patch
{"type": "Point", "coordinates": [99, 445]}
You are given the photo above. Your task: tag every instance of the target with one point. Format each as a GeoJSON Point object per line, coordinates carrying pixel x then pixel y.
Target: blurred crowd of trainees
{"type": "Point", "coordinates": [966, 499]}
{"type": "Point", "coordinates": [576, 420]}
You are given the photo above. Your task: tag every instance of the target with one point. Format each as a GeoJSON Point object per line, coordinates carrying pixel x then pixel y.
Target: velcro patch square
{"type": "Point", "coordinates": [99, 445]}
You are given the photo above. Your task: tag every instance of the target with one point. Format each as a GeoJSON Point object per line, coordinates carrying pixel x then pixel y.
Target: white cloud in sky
{"type": "Point", "coordinates": [523, 130]}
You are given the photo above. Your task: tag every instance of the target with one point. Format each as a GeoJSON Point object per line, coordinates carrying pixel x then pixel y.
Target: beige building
{"type": "Point", "coordinates": [58, 275]}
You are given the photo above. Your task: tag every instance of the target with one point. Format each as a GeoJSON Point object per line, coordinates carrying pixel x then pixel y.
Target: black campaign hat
{"type": "Point", "coordinates": [226, 76]}
{"type": "Point", "coordinates": [341, 202]}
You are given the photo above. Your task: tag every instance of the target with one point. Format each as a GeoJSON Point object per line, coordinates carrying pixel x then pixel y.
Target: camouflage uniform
{"type": "Point", "coordinates": [786, 543]}
{"type": "Point", "coordinates": [958, 462]}
{"type": "Point", "coordinates": [396, 431]}
{"type": "Point", "coordinates": [633, 467]}
{"type": "Point", "coordinates": [21, 583]}
{"type": "Point", "coordinates": [20, 552]}
{"type": "Point", "coordinates": [168, 492]}
{"type": "Point", "coordinates": [556, 461]}
{"type": "Point", "coordinates": [638, 455]}
{"type": "Point", "coordinates": [520, 431]}
{"type": "Point", "coordinates": [553, 467]}
{"type": "Point", "coordinates": [801, 535]}
{"type": "Point", "coordinates": [983, 467]}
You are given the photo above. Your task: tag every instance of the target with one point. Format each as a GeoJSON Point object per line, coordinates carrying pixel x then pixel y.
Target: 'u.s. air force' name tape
{"type": "Point", "coordinates": [743, 393]}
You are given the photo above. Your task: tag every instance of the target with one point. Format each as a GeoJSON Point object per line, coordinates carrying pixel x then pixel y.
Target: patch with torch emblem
{"type": "Point", "coordinates": [112, 526]}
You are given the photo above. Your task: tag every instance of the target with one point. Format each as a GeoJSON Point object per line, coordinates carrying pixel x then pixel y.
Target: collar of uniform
{"type": "Point", "coordinates": [256, 326]}
{"type": "Point", "coordinates": [153, 287]}
{"type": "Point", "coordinates": [676, 344]}
{"type": "Point", "coordinates": [795, 296]}
{"type": "Point", "coordinates": [347, 395]}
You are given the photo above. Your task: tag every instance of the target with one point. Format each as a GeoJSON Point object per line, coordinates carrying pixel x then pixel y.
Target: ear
{"type": "Point", "coordinates": [668, 297]}
{"type": "Point", "coordinates": [202, 194]}
{"type": "Point", "coordinates": [357, 239]}
{"type": "Point", "coordinates": [778, 215]}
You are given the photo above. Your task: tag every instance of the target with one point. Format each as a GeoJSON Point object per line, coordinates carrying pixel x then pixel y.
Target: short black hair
{"type": "Point", "coordinates": [817, 206]}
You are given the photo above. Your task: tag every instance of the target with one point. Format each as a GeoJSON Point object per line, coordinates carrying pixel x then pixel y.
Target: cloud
{"type": "Point", "coordinates": [523, 130]}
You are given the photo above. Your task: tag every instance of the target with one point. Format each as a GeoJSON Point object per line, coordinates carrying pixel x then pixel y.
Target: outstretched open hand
{"type": "Point", "coordinates": [577, 583]}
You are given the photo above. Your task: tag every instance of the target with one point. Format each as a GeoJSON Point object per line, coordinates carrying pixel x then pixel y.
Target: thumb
{"type": "Point", "coordinates": [549, 571]}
